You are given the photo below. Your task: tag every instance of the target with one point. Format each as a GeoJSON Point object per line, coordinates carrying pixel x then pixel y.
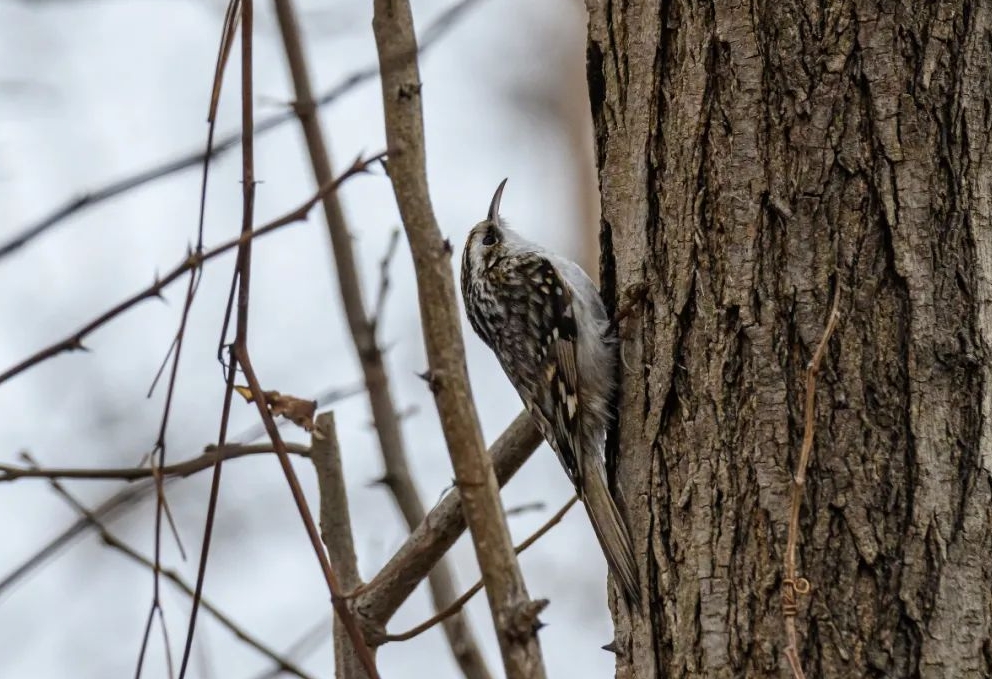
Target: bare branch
{"type": "Point", "coordinates": [380, 298]}
{"type": "Point", "coordinates": [335, 530]}
{"type": "Point", "coordinates": [334, 586]}
{"type": "Point", "coordinates": [186, 468]}
{"type": "Point", "coordinates": [791, 585]}
{"type": "Point", "coordinates": [129, 497]}
{"type": "Point", "coordinates": [172, 576]}
{"type": "Point", "coordinates": [514, 615]}
{"type": "Point", "coordinates": [111, 507]}
{"type": "Point", "coordinates": [445, 21]}
{"type": "Point", "coordinates": [74, 342]}
{"type": "Point", "coordinates": [363, 332]}
{"type": "Point", "coordinates": [393, 584]}
{"type": "Point", "coordinates": [474, 589]}
{"type": "Point", "coordinates": [240, 354]}
{"type": "Point", "coordinates": [234, 14]}
{"type": "Point", "coordinates": [376, 602]}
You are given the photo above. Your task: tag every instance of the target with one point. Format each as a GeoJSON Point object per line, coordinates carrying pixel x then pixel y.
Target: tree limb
{"type": "Point", "coordinates": [514, 615]}
{"type": "Point", "coordinates": [460, 602]}
{"type": "Point", "coordinates": [394, 583]}
{"type": "Point", "coordinates": [74, 342]}
{"type": "Point", "coordinates": [363, 332]}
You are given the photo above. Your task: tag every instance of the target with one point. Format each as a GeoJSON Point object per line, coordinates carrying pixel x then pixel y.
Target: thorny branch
{"type": "Point", "coordinates": [233, 15]}
{"type": "Point", "coordinates": [74, 342]}
{"type": "Point", "coordinates": [181, 469]}
{"type": "Point", "coordinates": [445, 21]}
{"type": "Point", "coordinates": [792, 586]}
{"type": "Point", "coordinates": [175, 352]}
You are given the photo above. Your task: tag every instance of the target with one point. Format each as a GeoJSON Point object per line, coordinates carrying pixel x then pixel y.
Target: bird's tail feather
{"type": "Point", "coordinates": [611, 531]}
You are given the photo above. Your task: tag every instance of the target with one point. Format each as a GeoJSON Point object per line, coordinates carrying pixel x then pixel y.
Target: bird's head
{"type": "Point", "coordinates": [490, 238]}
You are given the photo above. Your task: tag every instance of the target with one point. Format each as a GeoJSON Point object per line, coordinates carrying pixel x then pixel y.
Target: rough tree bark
{"type": "Point", "coordinates": [752, 158]}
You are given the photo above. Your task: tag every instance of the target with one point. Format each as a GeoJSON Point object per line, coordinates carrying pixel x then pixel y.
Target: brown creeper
{"type": "Point", "coordinates": [546, 323]}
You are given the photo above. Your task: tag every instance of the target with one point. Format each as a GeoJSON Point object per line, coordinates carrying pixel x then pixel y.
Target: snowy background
{"type": "Point", "coordinates": [93, 91]}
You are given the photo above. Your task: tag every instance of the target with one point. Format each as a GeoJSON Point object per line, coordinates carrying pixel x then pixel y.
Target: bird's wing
{"type": "Point", "coordinates": [557, 378]}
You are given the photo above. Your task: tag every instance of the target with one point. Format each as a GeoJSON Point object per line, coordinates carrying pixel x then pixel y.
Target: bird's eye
{"type": "Point", "coordinates": [490, 239]}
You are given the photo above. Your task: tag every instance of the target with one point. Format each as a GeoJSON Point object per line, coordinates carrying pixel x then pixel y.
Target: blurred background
{"type": "Point", "coordinates": [93, 91]}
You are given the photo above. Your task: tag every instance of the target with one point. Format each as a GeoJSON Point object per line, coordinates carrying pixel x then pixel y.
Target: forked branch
{"type": "Point", "coordinates": [460, 602]}
{"type": "Point", "coordinates": [514, 615]}
{"type": "Point", "coordinates": [74, 342]}
{"type": "Point", "coordinates": [363, 333]}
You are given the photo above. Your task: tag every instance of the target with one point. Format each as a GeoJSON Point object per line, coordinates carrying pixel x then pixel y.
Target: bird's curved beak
{"type": "Point", "coordinates": [494, 206]}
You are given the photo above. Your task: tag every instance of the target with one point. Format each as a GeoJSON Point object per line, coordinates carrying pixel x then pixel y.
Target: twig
{"type": "Point", "coordinates": [223, 54]}
{"type": "Point", "coordinates": [175, 348]}
{"type": "Point", "coordinates": [514, 615]}
{"type": "Point", "coordinates": [111, 507]}
{"type": "Point", "coordinates": [74, 342]}
{"type": "Point", "coordinates": [363, 333]}
{"type": "Point", "coordinates": [304, 645]}
{"type": "Point", "coordinates": [182, 469]}
{"type": "Point", "coordinates": [517, 510]}
{"type": "Point", "coordinates": [380, 298]}
{"type": "Point", "coordinates": [793, 586]}
{"type": "Point", "coordinates": [235, 12]}
{"type": "Point", "coordinates": [460, 602]}
{"type": "Point", "coordinates": [156, 605]}
{"type": "Point", "coordinates": [377, 601]}
{"type": "Point", "coordinates": [335, 530]}
{"type": "Point", "coordinates": [131, 496]}
{"type": "Point", "coordinates": [445, 21]}
{"type": "Point", "coordinates": [91, 517]}
{"type": "Point", "coordinates": [165, 642]}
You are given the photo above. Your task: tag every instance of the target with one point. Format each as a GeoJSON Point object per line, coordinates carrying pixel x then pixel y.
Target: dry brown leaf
{"type": "Point", "coordinates": [298, 410]}
{"type": "Point", "coordinates": [245, 392]}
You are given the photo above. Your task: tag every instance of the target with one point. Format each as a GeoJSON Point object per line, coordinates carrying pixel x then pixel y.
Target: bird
{"type": "Point", "coordinates": [545, 320]}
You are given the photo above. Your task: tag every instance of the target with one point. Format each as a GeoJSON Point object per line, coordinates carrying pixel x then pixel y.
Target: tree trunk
{"type": "Point", "coordinates": [753, 158]}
